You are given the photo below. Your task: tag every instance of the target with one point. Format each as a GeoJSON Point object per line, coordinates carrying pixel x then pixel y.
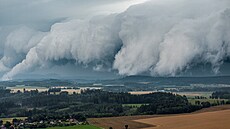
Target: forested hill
{"type": "Point", "coordinates": [91, 103]}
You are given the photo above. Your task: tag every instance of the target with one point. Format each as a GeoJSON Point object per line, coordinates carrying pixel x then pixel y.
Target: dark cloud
{"type": "Point", "coordinates": [160, 37]}
{"type": "Point", "coordinates": [42, 11]}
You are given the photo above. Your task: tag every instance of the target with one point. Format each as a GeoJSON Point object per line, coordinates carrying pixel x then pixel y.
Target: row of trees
{"type": "Point", "coordinates": [221, 95]}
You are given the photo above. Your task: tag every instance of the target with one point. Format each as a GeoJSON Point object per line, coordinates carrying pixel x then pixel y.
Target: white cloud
{"type": "Point", "coordinates": [160, 37]}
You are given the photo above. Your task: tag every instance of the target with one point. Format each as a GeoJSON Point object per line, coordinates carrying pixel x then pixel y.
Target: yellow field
{"type": "Point", "coordinates": [28, 88]}
{"type": "Point", "coordinates": [42, 89]}
{"type": "Point", "coordinates": [10, 119]}
{"type": "Point", "coordinates": [141, 92]}
{"type": "Point", "coordinates": [205, 120]}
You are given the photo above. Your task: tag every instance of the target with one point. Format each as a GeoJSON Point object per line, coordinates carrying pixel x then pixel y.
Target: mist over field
{"type": "Point", "coordinates": [109, 38]}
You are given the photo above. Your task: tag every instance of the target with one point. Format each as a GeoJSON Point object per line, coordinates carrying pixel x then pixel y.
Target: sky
{"type": "Point", "coordinates": [102, 39]}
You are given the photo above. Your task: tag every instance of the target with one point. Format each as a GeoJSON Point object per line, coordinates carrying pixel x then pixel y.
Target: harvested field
{"type": "Point", "coordinates": [28, 88]}
{"type": "Point", "coordinates": [205, 120]}
{"type": "Point", "coordinates": [141, 92]}
{"type": "Point", "coordinates": [120, 122]}
{"type": "Point", "coordinates": [10, 119]}
{"type": "Point", "coordinates": [138, 122]}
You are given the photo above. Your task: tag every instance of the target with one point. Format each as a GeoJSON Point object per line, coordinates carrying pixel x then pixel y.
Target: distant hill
{"type": "Point", "coordinates": [127, 81]}
{"type": "Point", "coordinates": [172, 80]}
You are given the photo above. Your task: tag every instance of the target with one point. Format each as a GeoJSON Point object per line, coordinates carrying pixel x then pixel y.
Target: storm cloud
{"type": "Point", "coordinates": [158, 37]}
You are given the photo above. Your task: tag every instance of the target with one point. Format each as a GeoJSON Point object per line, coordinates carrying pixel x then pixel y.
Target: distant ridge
{"type": "Point", "coordinates": [178, 80]}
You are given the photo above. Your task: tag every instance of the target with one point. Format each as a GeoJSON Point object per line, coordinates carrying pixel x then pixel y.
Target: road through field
{"type": "Point", "coordinates": [205, 120]}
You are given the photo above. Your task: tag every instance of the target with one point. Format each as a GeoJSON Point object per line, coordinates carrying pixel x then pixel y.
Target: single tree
{"type": "Point", "coordinates": [7, 124]}
{"type": "Point", "coordinates": [1, 122]}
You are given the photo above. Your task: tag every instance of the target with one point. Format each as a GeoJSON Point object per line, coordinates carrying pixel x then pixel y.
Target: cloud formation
{"type": "Point", "coordinates": [160, 37]}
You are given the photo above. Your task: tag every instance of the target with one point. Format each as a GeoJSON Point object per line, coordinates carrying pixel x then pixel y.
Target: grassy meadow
{"type": "Point", "coordinates": [76, 127]}
{"type": "Point", "coordinates": [211, 101]}
{"type": "Point", "coordinates": [193, 94]}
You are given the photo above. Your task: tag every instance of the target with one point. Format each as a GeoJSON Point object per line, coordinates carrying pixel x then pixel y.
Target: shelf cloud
{"type": "Point", "coordinates": [158, 37]}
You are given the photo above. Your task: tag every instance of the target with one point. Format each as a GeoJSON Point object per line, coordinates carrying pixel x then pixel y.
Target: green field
{"type": "Point", "coordinates": [212, 101]}
{"type": "Point", "coordinates": [193, 94]}
{"type": "Point", "coordinates": [76, 127]}
{"type": "Point", "coordinates": [68, 127]}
